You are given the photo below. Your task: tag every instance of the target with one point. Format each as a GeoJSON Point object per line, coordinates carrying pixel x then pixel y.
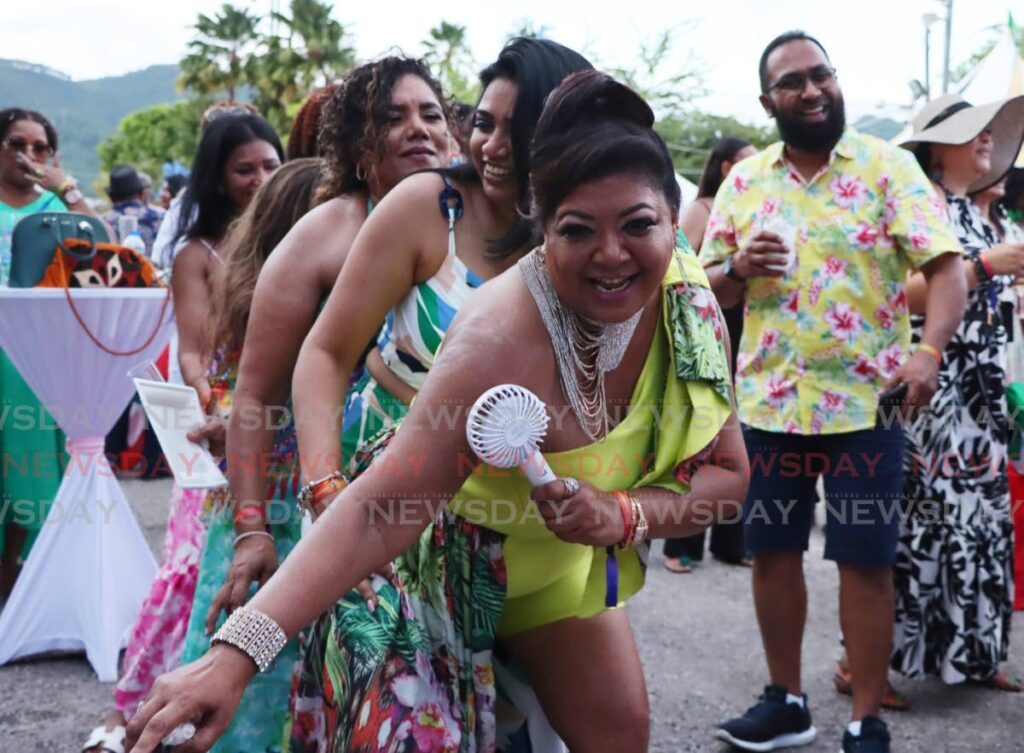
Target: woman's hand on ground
{"type": "Point", "coordinates": [205, 693]}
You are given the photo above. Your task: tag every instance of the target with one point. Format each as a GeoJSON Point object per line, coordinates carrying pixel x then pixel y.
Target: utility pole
{"type": "Point", "coordinates": [949, 40]}
{"type": "Point", "coordinates": [928, 19]}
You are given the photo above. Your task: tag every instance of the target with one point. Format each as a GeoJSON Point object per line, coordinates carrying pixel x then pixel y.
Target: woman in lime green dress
{"type": "Point", "coordinates": [32, 448]}
{"type": "Point", "coordinates": [620, 336]}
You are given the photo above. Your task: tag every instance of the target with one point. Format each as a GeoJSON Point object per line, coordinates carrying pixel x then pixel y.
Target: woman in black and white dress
{"type": "Point", "coordinates": [954, 568]}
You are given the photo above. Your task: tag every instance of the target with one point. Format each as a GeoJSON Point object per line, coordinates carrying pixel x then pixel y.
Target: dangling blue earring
{"type": "Point", "coordinates": [937, 174]}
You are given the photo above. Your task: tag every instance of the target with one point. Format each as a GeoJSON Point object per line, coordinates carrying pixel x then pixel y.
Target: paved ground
{"type": "Point", "coordinates": [700, 648]}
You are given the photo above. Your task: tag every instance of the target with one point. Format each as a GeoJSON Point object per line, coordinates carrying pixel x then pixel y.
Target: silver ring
{"type": "Point", "coordinates": [572, 486]}
{"type": "Point", "coordinates": [180, 734]}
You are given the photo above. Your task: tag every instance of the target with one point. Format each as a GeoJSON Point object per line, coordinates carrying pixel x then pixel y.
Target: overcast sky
{"type": "Point", "coordinates": [876, 45]}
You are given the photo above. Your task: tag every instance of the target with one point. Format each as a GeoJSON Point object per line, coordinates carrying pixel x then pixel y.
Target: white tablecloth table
{"type": "Point", "coordinates": [90, 567]}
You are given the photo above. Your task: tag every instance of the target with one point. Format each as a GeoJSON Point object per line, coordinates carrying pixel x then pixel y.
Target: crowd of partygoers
{"type": "Point", "coordinates": [825, 337]}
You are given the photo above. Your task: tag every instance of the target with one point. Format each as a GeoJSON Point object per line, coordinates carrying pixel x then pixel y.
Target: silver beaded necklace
{"type": "Point", "coordinates": [584, 349]}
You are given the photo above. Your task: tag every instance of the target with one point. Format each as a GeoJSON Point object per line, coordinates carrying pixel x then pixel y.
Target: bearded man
{"type": "Point", "coordinates": [816, 235]}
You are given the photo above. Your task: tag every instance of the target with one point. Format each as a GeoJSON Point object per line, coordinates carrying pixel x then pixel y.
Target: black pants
{"type": "Point", "coordinates": [726, 544]}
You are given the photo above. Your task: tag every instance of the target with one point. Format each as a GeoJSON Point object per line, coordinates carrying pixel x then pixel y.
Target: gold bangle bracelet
{"type": "Point", "coordinates": [932, 351]}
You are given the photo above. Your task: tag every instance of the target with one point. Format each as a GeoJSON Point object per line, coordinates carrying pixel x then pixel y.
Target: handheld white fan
{"type": "Point", "coordinates": [505, 428]}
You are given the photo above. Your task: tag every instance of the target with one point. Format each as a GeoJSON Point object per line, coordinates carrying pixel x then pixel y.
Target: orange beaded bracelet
{"type": "Point", "coordinates": [258, 513]}
{"type": "Point", "coordinates": [313, 494]}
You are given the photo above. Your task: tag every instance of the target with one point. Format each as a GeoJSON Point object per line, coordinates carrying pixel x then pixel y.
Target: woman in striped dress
{"type": "Point", "coordinates": [428, 245]}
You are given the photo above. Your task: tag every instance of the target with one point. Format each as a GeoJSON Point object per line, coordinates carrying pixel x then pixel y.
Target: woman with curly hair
{"type": "Point", "coordinates": [605, 313]}
{"type": "Point", "coordinates": [432, 242]}
{"type": "Point", "coordinates": [383, 122]}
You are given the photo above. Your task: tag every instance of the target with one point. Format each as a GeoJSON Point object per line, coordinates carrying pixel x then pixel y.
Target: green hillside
{"type": "Point", "coordinates": [84, 112]}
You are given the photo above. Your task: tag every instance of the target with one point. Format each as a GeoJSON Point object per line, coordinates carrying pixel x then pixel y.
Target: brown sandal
{"type": "Point", "coordinates": [892, 699]}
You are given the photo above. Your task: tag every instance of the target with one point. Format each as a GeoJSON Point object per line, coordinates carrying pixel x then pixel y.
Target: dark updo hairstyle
{"type": "Point", "coordinates": [537, 67]}
{"type": "Point", "coordinates": [11, 115]}
{"type": "Point", "coordinates": [354, 121]}
{"type": "Point", "coordinates": [593, 127]}
{"type": "Point", "coordinates": [711, 176]}
{"type": "Point", "coordinates": [206, 209]}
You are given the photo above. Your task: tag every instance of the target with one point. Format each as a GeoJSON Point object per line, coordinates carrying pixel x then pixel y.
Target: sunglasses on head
{"type": "Point", "coordinates": [39, 149]}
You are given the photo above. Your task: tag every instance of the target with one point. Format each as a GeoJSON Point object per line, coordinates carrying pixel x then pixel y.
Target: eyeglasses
{"type": "Point", "coordinates": [40, 149]}
{"type": "Point", "coordinates": [794, 83]}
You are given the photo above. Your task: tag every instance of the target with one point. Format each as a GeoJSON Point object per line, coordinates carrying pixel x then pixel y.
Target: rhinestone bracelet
{"type": "Point", "coordinates": [254, 633]}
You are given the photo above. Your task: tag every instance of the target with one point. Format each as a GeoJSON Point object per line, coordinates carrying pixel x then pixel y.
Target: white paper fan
{"type": "Point", "coordinates": [505, 428]}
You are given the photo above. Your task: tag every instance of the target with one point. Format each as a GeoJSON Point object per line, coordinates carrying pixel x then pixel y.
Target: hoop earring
{"type": "Point", "coordinates": [360, 174]}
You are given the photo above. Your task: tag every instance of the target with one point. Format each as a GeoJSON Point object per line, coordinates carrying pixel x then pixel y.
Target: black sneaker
{"type": "Point", "coordinates": [873, 738]}
{"type": "Point", "coordinates": [771, 724]}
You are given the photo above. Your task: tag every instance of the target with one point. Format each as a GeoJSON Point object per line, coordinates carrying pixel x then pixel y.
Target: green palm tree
{"type": "Point", "coordinates": [309, 50]}
{"type": "Point", "coordinates": [218, 57]}
{"type": "Point", "coordinates": [323, 45]}
{"type": "Point", "coordinates": [447, 53]}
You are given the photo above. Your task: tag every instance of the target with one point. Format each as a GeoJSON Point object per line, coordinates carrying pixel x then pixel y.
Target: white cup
{"type": "Point", "coordinates": [787, 232]}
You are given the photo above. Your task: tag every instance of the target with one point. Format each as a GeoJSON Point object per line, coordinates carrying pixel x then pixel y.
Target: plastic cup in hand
{"type": "Point", "coordinates": [787, 233]}
{"type": "Point", "coordinates": [505, 428]}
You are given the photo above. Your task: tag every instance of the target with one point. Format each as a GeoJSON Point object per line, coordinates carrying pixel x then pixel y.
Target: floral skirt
{"type": "Point", "coordinates": [158, 635]}
{"type": "Point", "coordinates": [416, 674]}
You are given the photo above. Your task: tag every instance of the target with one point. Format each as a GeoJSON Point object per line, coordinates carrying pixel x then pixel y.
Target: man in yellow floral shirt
{"type": "Point", "coordinates": [817, 234]}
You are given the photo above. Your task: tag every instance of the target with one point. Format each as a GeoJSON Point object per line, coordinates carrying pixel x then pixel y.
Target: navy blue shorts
{"type": "Point", "coordinates": [863, 480]}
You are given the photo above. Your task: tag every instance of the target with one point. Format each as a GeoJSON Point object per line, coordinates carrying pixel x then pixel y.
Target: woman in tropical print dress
{"type": "Point", "coordinates": [613, 255]}
{"type": "Point", "coordinates": [455, 231]}
{"type": "Point", "coordinates": [954, 568]}
{"type": "Point", "coordinates": [385, 121]}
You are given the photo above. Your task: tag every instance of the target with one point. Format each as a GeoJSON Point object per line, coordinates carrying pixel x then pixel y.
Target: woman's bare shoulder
{"type": "Point", "coordinates": [318, 243]}
{"type": "Point", "coordinates": [414, 195]}
{"type": "Point", "coordinates": [342, 214]}
{"type": "Point", "coordinates": [501, 314]}
{"type": "Point", "coordinates": [193, 257]}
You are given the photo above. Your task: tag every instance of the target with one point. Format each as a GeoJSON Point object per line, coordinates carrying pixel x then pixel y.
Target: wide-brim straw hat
{"type": "Point", "coordinates": [952, 120]}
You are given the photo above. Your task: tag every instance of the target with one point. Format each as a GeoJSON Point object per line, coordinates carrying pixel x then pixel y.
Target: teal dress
{"type": "Point", "coordinates": [34, 450]}
{"type": "Point", "coordinates": [259, 724]}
